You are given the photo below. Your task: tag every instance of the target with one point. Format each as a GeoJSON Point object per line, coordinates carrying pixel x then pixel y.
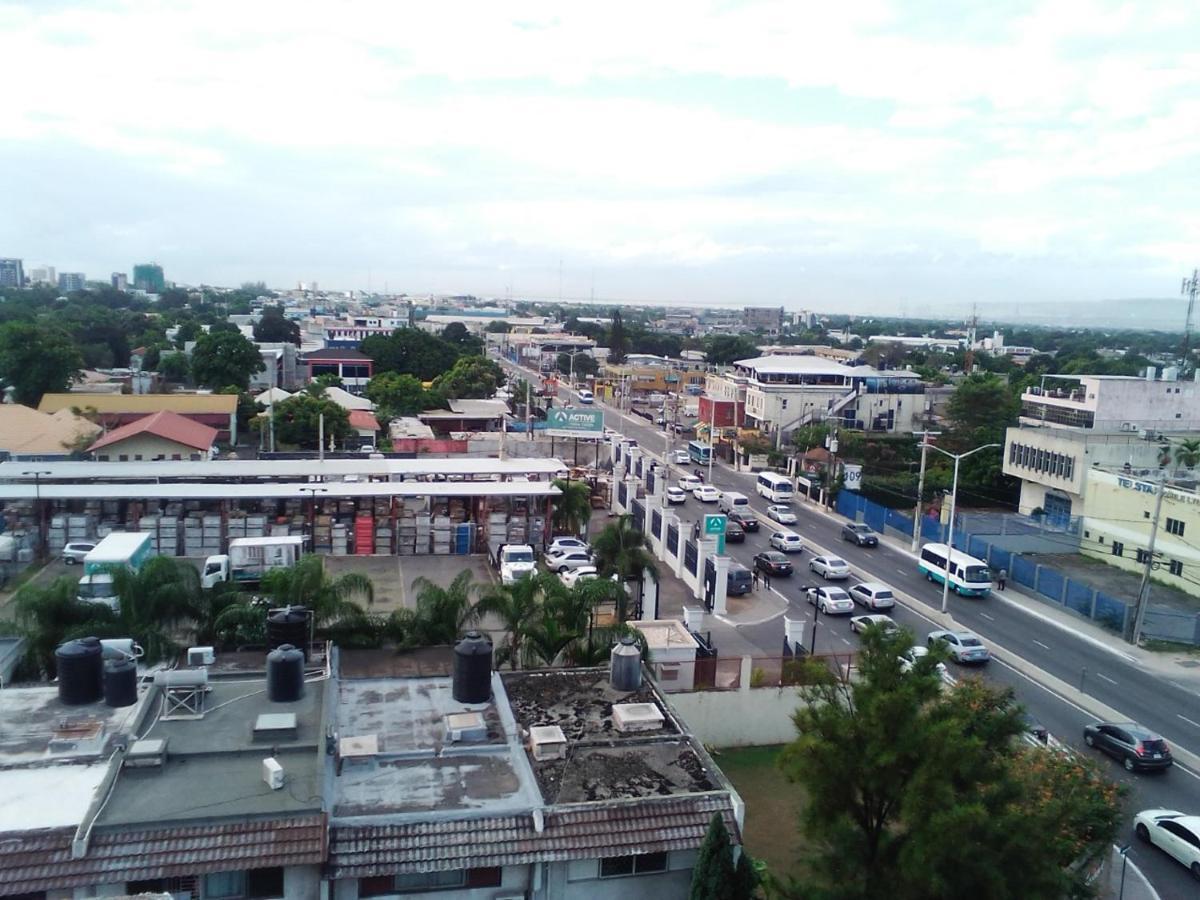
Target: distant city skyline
{"type": "Point", "coordinates": [866, 157]}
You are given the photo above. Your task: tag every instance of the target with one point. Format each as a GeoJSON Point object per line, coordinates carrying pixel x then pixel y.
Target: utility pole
{"type": "Point", "coordinates": [916, 538]}
{"type": "Point", "coordinates": [528, 411]}
{"type": "Point", "coordinates": [1143, 599]}
{"type": "Point", "coordinates": [1191, 287]}
{"type": "Point", "coordinates": [712, 433]}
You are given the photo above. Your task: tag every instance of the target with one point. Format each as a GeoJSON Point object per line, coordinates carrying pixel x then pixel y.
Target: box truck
{"type": "Point", "coordinates": [249, 559]}
{"type": "Point", "coordinates": [119, 550]}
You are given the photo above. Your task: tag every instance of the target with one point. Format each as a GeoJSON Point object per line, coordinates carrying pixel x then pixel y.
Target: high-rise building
{"type": "Point", "coordinates": [43, 275]}
{"type": "Point", "coordinates": [120, 281]}
{"type": "Point", "coordinates": [12, 274]}
{"type": "Point", "coordinates": [71, 281]}
{"type": "Point", "coordinates": [148, 277]}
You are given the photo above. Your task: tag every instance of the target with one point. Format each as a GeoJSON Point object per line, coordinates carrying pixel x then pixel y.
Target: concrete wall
{"type": "Point", "coordinates": [747, 717]}
{"type": "Point", "coordinates": [145, 447]}
{"type": "Point", "coordinates": [580, 880]}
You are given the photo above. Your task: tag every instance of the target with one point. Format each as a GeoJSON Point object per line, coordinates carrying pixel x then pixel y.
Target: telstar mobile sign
{"type": "Point", "coordinates": [571, 422]}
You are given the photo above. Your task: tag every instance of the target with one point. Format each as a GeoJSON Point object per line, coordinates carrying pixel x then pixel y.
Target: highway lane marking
{"type": "Point", "coordinates": [986, 616]}
{"type": "Point", "coordinates": [846, 642]}
{"type": "Point", "coordinates": [1186, 719]}
{"type": "Point", "coordinates": [1105, 677]}
{"type": "Point", "coordinates": [902, 571]}
{"type": "Point", "coordinates": [1047, 647]}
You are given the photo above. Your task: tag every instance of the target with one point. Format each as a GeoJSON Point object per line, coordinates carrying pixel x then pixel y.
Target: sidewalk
{"type": "Point", "coordinates": [1134, 885]}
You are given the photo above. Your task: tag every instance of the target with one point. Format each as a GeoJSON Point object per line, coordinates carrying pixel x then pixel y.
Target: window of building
{"type": "Point", "coordinates": [137, 457]}
{"type": "Point", "coordinates": [1143, 555]}
{"type": "Point", "coordinates": [124, 457]}
{"type": "Point", "coordinates": [619, 866]}
{"type": "Point", "coordinates": [220, 885]}
{"type": "Point", "coordinates": [417, 882]}
{"type": "Point", "coordinates": [1175, 568]}
{"type": "Point", "coordinates": [1175, 527]}
{"type": "Point", "coordinates": [1118, 549]}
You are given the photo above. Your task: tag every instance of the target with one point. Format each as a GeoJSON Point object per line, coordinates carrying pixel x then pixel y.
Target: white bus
{"type": "Point", "coordinates": [969, 576]}
{"type": "Point", "coordinates": [775, 487]}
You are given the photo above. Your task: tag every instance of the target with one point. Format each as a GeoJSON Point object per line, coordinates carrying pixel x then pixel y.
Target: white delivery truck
{"type": "Point", "coordinates": [512, 561]}
{"type": "Point", "coordinates": [119, 550]}
{"type": "Point", "coordinates": [249, 559]}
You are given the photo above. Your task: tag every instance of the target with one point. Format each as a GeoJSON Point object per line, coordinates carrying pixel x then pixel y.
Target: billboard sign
{"type": "Point", "coordinates": [852, 477]}
{"type": "Point", "coordinates": [575, 423]}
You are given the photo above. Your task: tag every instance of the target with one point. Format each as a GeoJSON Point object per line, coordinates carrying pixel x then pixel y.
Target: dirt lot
{"type": "Point", "coordinates": [1115, 582]}
{"type": "Point", "coordinates": [393, 575]}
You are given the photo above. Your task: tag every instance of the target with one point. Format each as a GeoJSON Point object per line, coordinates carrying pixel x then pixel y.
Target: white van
{"type": "Point", "coordinates": [585, 396]}
{"type": "Point", "coordinates": [775, 487]}
{"type": "Point", "coordinates": [733, 501]}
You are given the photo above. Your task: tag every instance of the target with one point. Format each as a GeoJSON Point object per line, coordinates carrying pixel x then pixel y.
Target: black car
{"type": "Point", "coordinates": [772, 562]}
{"type": "Point", "coordinates": [1136, 747]}
{"type": "Point", "coordinates": [734, 533]}
{"type": "Point", "coordinates": [745, 519]}
{"type": "Point", "coordinates": [860, 534]}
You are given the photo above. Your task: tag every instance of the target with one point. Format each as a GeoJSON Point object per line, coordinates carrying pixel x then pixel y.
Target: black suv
{"type": "Point", "coordinates": [860, 534]}
{"type": "Point", "coordinates": [746, 519]}
{"type": "Point", "coordinates": [1136, 747]}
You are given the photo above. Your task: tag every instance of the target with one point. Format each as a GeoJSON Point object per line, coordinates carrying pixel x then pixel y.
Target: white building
{"type": "Point", "coordinates": [1073, 423]}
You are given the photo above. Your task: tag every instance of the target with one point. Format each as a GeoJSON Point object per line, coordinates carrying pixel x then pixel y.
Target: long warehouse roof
{"type": "Point", "coordinates": [278, 491]}
{"type": "Point", "coordinates": [277, 468]}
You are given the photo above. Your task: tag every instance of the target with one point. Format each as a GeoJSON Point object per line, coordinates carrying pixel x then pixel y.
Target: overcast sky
{"type": "Point", "coordinates": [865, 156]}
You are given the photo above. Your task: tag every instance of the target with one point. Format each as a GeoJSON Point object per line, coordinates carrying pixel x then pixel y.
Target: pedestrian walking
{"type": "Point", "coordinates": [754, 579]}
{"type": "Point", "coordinates": [767, 580]}
{"type": "Point", "coordinates": [1002, 578]}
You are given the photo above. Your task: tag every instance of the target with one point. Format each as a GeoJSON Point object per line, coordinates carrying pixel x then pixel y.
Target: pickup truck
{"type": "Point", "coordinates": [512, 561]}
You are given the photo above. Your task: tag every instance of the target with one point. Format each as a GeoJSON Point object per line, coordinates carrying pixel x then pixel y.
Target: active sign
{"type": "Point", "coordinates": [715, 525]}
{"type": "Point", "coordinates": [576, 423]}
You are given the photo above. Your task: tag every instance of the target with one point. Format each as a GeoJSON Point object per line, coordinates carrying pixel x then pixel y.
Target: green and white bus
{"type": "Point", "coordinates": [969, 576]}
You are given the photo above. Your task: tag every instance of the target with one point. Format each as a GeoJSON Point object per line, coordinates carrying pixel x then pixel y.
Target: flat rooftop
{"type": "Point", "coordinates": [32, 717]}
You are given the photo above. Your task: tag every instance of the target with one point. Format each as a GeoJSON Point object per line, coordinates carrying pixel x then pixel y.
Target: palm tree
{"type": "Point", "coordinates": [308, 584]}
{"type": "Point", "coordinates": [1187, 454]}
{"type": "Point", "coordinates": [519, 606]}
{"type": "Point", "coordinates": [155, 603]}
{"type": "Point", "coordinates": [48, 614]}
{"type": "Point", "coordinates": [573, 507]}
{"type": "Point", "coordinates": [596, 647]}
{"type": "Point", "coordinates": [623, 550]}
{"type": "Point", "coordinates": [442, 612]}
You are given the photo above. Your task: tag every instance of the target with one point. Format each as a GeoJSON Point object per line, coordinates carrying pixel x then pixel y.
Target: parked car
{"type": "Point", "coordinates": [772, 562]}
{"type": "Point", "coordinates": [734, 533]}
{"type": "Point", "coordinates": [873, 595]}
{"type": "Point", "coordinates": [909, 659]}
{"type": "Point", "coordinates": [831, 568]}
{"type": "Point", "coordinates": [706, 493]}
{"type": "Point", "coordinates": [676, 495]}
{"type": "Point", "coordinates": [964, 646]}
{"type": "Point", "coordinates": [75, 552]}
{"type": "Point", "coordinates": [830, 600]}
{"type": "Point", "coordinates": [860, 534]}
{"type": "Point", "coordinates": [1135, 746]}
{"type": "Point", "coordinates": [859, 624]}
{"type": "Point", "coordinates": [745, 518]}
{"type": "Point", "coordinates": [739, 580]}
{"type": "Point", "coordinates": [681, 458]}
{"type": "Point", "coordinates": [563, 544]}
{"type": "Point", "coordinates": [1174, 833]}
{"type": "Point", "coordinates": [572, 577]}
{"type": "Point", "coordinates": [568, 559]}
{"type": "Point", "coordinates": [782, 514]}
{"type": "Point", "coordinates": [787, 541]}
{"type": "Point", "coordinates": [689, 482]}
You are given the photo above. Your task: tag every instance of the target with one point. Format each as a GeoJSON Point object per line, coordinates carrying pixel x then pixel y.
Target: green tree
{"type": "Point", "coordinates": [716, 876]}
{"type": "Point", "coordinates": [584, 364]}
{"type": "Point", "coordinates": [48, 614]}
{"type": "Point", "coordinates": [725, 349]}
{"type": "Point", "coordinates": [298, 421]}
{"type": "Point", "coordinates": [518, 606]}
{"type": "Point", "coordinates": [188, 331]}
{"type": "Point", "coordinates": [618, 342]}
{"type": "Point", "coordinates": [573, 507]}
{"type": "Point", "coordinates": [982, 406]}
{"type": "Point", "coordinates": [174, 367]}
{"type": "Point", "coordinates": [37, 359]}
{"type": "Point", "coordinates": [471, 377]}
{"type": "Point", "coordinates": [397, 395]}
{"type": "Point", "coordinates": [1187, 454]}
{"type": "Point", "coordinates": [442, 613]}
{"type": "Point", "coordinates": [623, 550]}
{"type": "Point", "coordinates": [332, 600]}
{"type": "Point", "coordinates": [225, 359]}
{"type": "Point", "coordinates": [156, 602]}
{"type": "Point", "coordinates": [497, 328]}
{"type": "Point", "coordinates": [410, 351]}
{"type": "Point", "coordinates": [456, 335]}
{"type": "Point", "coordinates": [931, 762]}
{"type": "Point", "coordinates": [273, 327]}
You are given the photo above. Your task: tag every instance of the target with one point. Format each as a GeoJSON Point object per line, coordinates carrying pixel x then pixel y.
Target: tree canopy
{"type": "Point", "coordinates": [473, 377]}
{"type": "Point", "coordinates": [36, 359]}
{"type": "Point", "coordinates": [724, 349]}
{"type": "Point", "coordinates": [618, 343]}
{"type": "Point", "coordinates": [273, 327]}
{"type": "Point", "coordinates": [398, 395]}
{"type": "Point", "coordinates": [297, 421]}
{"type": "Point", "coordinates": [410, 351]}
{"type": "Point", "coordinates": [225, 359]}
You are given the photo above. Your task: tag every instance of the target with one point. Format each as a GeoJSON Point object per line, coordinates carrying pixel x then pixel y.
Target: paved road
{"type": "Point", "coordinates": [1144, 696]}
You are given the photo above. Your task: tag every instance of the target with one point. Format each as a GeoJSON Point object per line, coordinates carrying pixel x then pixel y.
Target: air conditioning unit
{"type": "Point", "coordinates": [272, 773]}
{"type": "Point", "coordinates": [547, 742]}
{"type": "Point", "coordinates": [1129, 426]}
{"type": "Point", "coordinates": [200, 656]}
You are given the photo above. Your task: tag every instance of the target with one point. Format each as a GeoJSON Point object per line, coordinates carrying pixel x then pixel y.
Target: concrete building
{"type": "Point", "coordinates": [837, 354]}
{"type": "Point", "coordinates": [120, 281]}
{"type": "Point", "coordinates": [149, 277]}
{"type": "Point", "coordinates": [1071, 424]}
{"type": "Point", "coordinates": [71, 281]}
{"type": "Point", "coordinates": [12, 273]}
{"type": "Point", "coordinates": [44, 275]}
{"type": "Point", "coordinates": [353, 366]}
{"type": "Point", "coordinates": [280, 367]}
{"type": "Point", "coordinates": [763, 318]}
{"type": "Point", "coordinates": [27, 434]}
{"type": "Point", "coordinates": [786, 392]}
{"type": "Point", "coordinates": [111, 411]}
{"type": "Point", "coordinates": [162, 435]}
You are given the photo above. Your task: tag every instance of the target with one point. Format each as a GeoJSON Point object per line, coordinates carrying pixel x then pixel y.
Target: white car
{"type": "Point", "coordinates": [782, 514]}
{"type": "Point", "coordinates": [830, 600]}
{"type": "Point", "coordinates": [681, 458]}
{"type": "Point", "coordinates": [873, 595]}
{"type": "Point", "coordinates": [964, 646]}
{"type": "Point", "coordinates": [831, 568]}
{"type": "Point", "coordinates": [915, 652]}
{"type": "Point", "coordinates": [75, 552]}
{"type": "Point", "coordinates": [563, 544]}
{"type": "Point", "coordinates": [787, 541]}
{"type": "Point", "coordinates": [859, 624]}
{"type": "Point", "coordinates": [706, 493]}
{"type": "Point", "coordinates": [569, 559]}
{"type": "Point", "coordinates": [676, 495]}
{"type": "Point", "coordinates": [1176, 834]}
{"type": "Point", "coordinates": [572, 577]}
{"type": "Point", "coordinates": [689, 482]}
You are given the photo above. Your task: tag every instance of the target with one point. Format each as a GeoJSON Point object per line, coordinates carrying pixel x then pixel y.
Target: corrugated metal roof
{"type": "Point", "coordinates": [585, 832]}
{"type": "Point", "coordinates": [144, 404]}
{"type": "Point", "coordinates": [275, 469]}
{"type": "Point", "coordinates": [273, 491]}
{"type": "Point", "coordinates": [41, 860]}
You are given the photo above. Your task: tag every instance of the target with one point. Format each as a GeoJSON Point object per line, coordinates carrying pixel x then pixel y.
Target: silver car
{"type": "Point", "coordinates": [830, 600]}
{"type": "Point", "coordinates": [75, 552]}
{"type": "Point", "coordinates": [782, 514]}
{"type": "Point", "coordinates": [873, 595]}
{"type": "Point", "coordinates": [831, 568]}
{"type": "Point", "coordinates": [964, 646]}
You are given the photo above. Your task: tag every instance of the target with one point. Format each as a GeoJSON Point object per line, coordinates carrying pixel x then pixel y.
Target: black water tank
{"type": "Point", "coordinates": [285, 674]}
{"type": "Point", "coordinates": [288, 626]}
{"type": "Point", "coordinates": [80, 667]}
{"type": "Point", "coordinates": [473, 669]}
{"type": "Point", "coordinates": [120, 682]}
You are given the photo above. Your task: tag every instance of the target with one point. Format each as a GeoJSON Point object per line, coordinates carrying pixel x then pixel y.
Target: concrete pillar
{"type": "Point", "coordinates": [693, 617]}
{"type": "Point", "coordinates": [705, 547]}
{"type": "Point", "coordinates": [793, 634]}
{"type": "Point", "coordinates": [720, 589]}
{"type": "Point", "coordinates": [649, 597]}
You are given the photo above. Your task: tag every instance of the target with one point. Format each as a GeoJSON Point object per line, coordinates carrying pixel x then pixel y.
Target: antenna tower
{"type": "Point", "coordinates": [969, 357]}
{"type": "Point", "coordinates": [1191, 286]}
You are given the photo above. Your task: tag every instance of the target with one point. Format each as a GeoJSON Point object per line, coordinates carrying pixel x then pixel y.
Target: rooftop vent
{"type": "Point", "coordinates": [275, 727]}
{"type": "Point", "coordinates": [547, 742]}
{"type": "Point", "coordinates": [466, 726]}
{"type": "Point", "coordinates": [362, 746]}
{"type": "Point", "coordinates": [81, 737]}
{"type": "Point", "coordinates": [145, 754]}
{"type": "Point", "coordinates": [631, 717]}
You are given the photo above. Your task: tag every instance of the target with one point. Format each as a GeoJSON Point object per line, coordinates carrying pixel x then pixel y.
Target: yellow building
{"type": "Point", "coordinates": [1118, 512]}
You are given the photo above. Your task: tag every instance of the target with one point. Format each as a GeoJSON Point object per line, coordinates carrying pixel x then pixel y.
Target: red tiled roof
{"type": "Point", "coordinates": [166, 425]}
{"type": "Point", "coordinates": [361, 420]}
{"type": "Point", "coordinates": [587, 831]}
{"type": "Point", "coordinates": [41, 860]}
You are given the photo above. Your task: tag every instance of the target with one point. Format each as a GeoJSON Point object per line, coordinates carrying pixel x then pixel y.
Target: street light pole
{"type": "Point", "coordinates": [957, 457]}
{"type": "Point", "coordinates": [1143, 598]}
{"type": "Point", "coordinates": [916, 538]}
{"type": "Point", "coordinates": [712, 433]}
{"type": "Point", "coordinates": [39, 512]}
{"type": "Point", "coordinates": [312, 522]}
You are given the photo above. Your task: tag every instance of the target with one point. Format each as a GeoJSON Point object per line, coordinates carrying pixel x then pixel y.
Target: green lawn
{"type": "Point", "coordinates": [772, 805]}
